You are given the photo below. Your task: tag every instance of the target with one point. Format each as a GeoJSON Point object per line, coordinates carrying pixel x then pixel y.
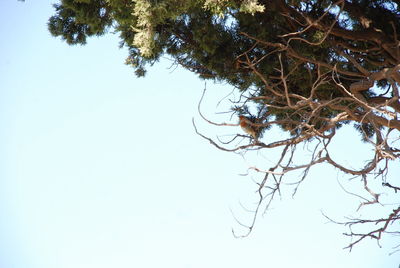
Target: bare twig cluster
{"type": "Point", "coordinates": [332, 95]}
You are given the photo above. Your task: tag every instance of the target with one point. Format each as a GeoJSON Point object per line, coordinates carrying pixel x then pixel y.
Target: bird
{"type": "Point", "coordinates": [248, 126]}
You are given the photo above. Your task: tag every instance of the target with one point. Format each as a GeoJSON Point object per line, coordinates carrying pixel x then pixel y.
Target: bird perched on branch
{"type": "Point", "coordinates": [248, 126]}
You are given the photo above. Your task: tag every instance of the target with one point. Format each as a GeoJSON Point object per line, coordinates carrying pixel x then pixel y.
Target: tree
{"type": "Point", "coordinates": [307, 67]}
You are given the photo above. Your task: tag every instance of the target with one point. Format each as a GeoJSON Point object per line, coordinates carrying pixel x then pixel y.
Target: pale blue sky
{"type": "Point", "coordinates": [101, 169]}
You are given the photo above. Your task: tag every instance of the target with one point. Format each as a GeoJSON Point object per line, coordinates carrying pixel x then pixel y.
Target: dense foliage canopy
{"type": "Point", "coordinates": [308, 67]}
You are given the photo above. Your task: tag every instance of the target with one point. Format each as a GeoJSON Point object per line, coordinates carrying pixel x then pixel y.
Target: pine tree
{"type": "Point", "coordinates": [308, 67]}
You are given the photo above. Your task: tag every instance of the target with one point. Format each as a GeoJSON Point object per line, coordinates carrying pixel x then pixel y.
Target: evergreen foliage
{"type": "Point", "coordinates": [217, 39]}
{"type": "Point", "coordinates": [308, 67]}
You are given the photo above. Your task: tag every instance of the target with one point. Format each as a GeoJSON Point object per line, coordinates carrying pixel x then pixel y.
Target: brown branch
{"type": "Point", "coordinates": [374, 234]}
{"type": "Point", "coordinates": [312, 117]}
{"type": "Point", "coordinates": [395, 188]}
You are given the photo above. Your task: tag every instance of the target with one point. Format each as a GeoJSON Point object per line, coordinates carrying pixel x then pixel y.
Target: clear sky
{"type": "Point", "coordinates": [101, 169]}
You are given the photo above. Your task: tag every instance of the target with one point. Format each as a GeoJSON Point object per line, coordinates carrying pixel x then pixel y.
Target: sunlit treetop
{"type": "Point", "coordinates": [308, 67]}
{"type": "Point", "coordinates": [248, 43]}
